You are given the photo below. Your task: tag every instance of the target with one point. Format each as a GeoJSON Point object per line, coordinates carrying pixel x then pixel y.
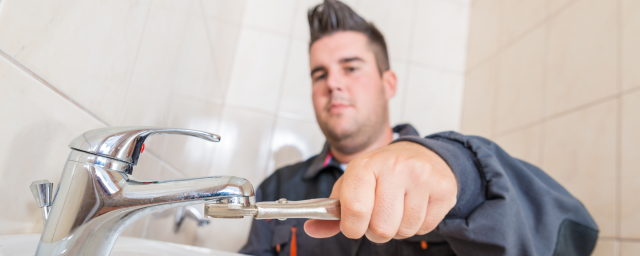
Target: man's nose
{"type": "Point", "coordinates": [335, 83]}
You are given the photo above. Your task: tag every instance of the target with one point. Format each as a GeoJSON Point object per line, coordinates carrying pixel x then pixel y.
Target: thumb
{"type": "Point", "coordinates": [325, 228]}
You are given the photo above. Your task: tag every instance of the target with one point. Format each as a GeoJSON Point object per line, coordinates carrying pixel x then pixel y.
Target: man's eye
{"type": "Point", "coordinates": [351, 69]}
{"type": "Point", "coordinates": [320, 77]}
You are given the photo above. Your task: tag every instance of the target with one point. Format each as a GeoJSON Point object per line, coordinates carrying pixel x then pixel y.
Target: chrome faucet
{"type": "Point", "coordinates": [97, 197]}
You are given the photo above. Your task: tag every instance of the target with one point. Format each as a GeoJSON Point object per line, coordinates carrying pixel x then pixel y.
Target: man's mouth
{"type": "Point", "coordinates": [337, 108]}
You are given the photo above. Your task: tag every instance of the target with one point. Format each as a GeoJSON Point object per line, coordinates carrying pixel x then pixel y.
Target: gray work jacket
{"type": "Point", "coordinates": [505, 206]}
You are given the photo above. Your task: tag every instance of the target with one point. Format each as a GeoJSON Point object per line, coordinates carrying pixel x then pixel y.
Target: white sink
{"type": "Point", "coordinates": [26, 244]}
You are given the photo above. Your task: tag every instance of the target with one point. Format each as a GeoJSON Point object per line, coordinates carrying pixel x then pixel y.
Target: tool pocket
{"type": "Point", "coordinates": [290, 239]}
{"type": "Point", "coordinates": [424, 245]}
{"type": "Point", "coordinates": [285, 237]}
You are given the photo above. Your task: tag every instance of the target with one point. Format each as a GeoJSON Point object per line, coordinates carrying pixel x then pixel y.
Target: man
{"type": "Point", "coordinates": [446, 194]}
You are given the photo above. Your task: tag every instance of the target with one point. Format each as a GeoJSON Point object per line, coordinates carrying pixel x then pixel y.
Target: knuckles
{"type": "Point", "coordinates": [381, 233]}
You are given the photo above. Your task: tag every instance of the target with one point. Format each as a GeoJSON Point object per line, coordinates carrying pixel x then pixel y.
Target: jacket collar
{"type": "Point", "coordinates": [325, 161]}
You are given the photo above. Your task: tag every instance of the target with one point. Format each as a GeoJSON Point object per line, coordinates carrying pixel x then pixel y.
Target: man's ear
{"type": "Point", "coordinates": [390, 82]}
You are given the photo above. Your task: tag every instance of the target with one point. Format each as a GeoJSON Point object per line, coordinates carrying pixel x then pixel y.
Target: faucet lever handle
{"type": "Point", "coordinates": [125, 143]}
{"type": "Point", "coordinates": [43, 194]}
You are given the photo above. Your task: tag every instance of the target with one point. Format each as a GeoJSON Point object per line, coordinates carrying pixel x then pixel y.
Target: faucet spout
{"type": "Point", "coordinates": [97, 200]}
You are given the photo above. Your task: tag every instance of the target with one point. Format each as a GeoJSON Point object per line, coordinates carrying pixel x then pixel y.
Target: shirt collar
{"type": "Point", "coordinates": [325, 159]}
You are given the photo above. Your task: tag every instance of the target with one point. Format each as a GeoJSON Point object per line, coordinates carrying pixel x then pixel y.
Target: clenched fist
{"type": "Point", "coordinates": [397, 191]}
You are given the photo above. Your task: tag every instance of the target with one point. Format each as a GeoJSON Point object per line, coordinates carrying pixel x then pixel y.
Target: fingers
{"type": "Point", "coordinates": [322, 228]}
{"type": "Point", "coordinates": [325, 228]}
{"type": "Point", "coordinates": [415, 211]}
{"type": "Point", "coordinates": [440, 203]}
{"type": "Point", "coordinates": [357, 195]}
{"type": "Point", "coordinates": [388, 209]}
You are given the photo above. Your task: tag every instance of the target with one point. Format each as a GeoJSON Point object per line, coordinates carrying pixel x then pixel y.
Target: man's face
{"type": "Point", "coordinates": [349, 94]}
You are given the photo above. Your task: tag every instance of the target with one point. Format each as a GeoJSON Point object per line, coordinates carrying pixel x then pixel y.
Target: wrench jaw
{"type": "Point", "coordinates": [238, 207]}
{"type": "Point", "coordinates": [230, 208]}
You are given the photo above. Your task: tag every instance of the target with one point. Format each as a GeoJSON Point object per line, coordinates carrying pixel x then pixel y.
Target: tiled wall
{"type": "Point", "coordinates": [556, 83]}
{"type": "Point", "coordinates": [236, 68]}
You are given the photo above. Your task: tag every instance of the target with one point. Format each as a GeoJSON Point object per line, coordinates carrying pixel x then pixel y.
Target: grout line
{"type": "Point", "coordinates": [165, 164]}
{"type": "Point", "coordinates": [441, 69]}
{"type": "Point", "coordinates": [216, 69]}
{"type": "Point", "coordinates": [219, 77]}
{"type": "Point", "coordinates": [496, 89]}
{"type": "Point", "coordinates": [521, 36]}
{"type": "Point", "coordinates": [251, 109]}
{"type": "Point", "coordinates": [229, 74]}
{"type": "Point", "coordinates": [495, 73]}
{"type": "Point", "coordinates": [280, 91]}
{"type": "Point", "coordinates": [618, 202]}
{"type": "Point", "coordinates": [135, 64]}
{"type": "Point", "coordinates": [619, 239]}
{"type": "Point", "coordinates": [569, 111]}
{"type": "Point", "coordinates": [50, 86]}
{"type": "Point", "coordinates": [618, 152]}
{"type": "Point", "coordinates": [295, 117]}
{"type": "Point", "coordinates": [407, 72]}
{"type": "Point", "coordinates": [543, 89]}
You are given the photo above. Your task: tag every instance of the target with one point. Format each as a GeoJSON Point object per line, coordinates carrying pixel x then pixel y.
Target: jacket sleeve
{"type": "Point", "coordinates": [507, 206]}
{"type": "Point", "coordinates": [260, 236]}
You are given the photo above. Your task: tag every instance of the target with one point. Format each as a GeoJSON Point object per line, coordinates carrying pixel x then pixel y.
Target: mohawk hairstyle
{"type": "Point", "coordinates": [332, 16]}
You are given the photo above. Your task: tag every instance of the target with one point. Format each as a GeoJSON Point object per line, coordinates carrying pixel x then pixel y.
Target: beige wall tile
{"type": "Point", "coordinates": [223, 42]}
{"type": "Point", "coordinates": [296, 91]}
{"type": "Point", "coordinates": [518, 16]}
{"type": "Point", "coordinates": [300, 21]}
{"type": "Point", "coordinates": [89, 52]}
{"type": "Point", "coordinates": [434, 99]}
{"type": "Point", "coordinates": [192, 156]}
{"type": "Point", "coordinates": [294, 141]}
{"type": "Point", "coordinates": [257, 70]}
{"type": "Point", "coordinates": [578, 152]}
{"type": "Point", "coordinates": [155, 73]}
{"type": "Point", "coordinates": [244, 149]}
{"type": "Point", "coordinates": [629, 248]}
{"type": "Point", "coordinates": [37, 126]}
{"type": "Point", "coordinates": [396, 104]}
{"type": "Point", "coordinates": [148, 167]}
{"type": "Point", "coordinates": [630, 42]}
{"type": "Point", "coordinates": [196, 68]}
{"type": "Point", "coordinates": [604, 248]}
{"type": "Point", "coordinates": [582, 55]}
{"type": "Point", "coordinates": [230, 12]}
{"type": "Point", "coordinates": [479, 95]}
{"type": "Point", "coordinates": [22, 21]}
{"type": "Point", "coordinates": [521, 78]}
{"type": "Point", "coordinates": [273, 16]}
{"type": "Point", "coordinates": [483, 31]}
{"type": "Point", "coordinates": [440, 34]}
{"type": "Point", "coordinates": [630, 163]}
{"type": "Point", "coordinates": [393, 19]}
{"type": "Point", "coordinates": [523, 144]}
{"type": "Point", "coordinates": [554, 6]}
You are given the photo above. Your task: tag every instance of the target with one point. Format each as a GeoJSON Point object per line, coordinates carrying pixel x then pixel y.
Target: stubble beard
{"type": "Point", "coordinates": [358, 133]}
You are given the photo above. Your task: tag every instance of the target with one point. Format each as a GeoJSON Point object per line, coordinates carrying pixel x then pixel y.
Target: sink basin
{"type": "Point", "coordinates": [26, 244]}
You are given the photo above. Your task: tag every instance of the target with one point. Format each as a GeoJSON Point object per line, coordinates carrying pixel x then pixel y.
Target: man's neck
{"type": "Point", "coordinates": [382, 141]}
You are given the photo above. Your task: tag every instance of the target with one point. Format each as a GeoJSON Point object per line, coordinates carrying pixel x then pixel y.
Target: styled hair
{"type": "Point", "coordinates": [332, 16]}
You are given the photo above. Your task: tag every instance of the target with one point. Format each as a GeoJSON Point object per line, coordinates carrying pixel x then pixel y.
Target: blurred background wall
{"type": "Point", "coordinates": [238, 68]}
{"type": "Point", "coordinates": [557, 83]}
